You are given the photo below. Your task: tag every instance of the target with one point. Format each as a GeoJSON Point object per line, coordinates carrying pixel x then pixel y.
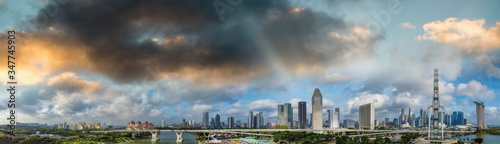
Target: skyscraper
{"type": "Point", "coordinates": [162, 123]}
{"type": "Point", "coordinates": [205, 123]}
{"type": "Point", "coordinates": [337, 110]}
{"type": "Point", "coordinates": [409, 116]}
{"type": "Point", "coordinates": [257, 120]}
{"type": "Point", "coordinates": [250, 119]}
{"type": "Point", "coordinates": [480, 115]}
{"type": "Point", "coordinates": [402, 117]}
{"type": "Point", "coordinates": [230, 122]}
{"type": "Point", "coordinates": [460, 118]}
{"type": "Point", "coordinates": [421, 118]}
{"type": "Point", "coordinates": [212, 123]}
{"type": "Point", "coordinates": [261, 120]}
{"type": "Point", "coordinates": [288, 115]}
{"type": "Point", "coordinates": [386, 122]}
{"type": "Point", "coordinates": [281, 115]}
{"type": "Point", "coordinates": [302, 116]}
{"type": "Point", "coordinates": [317, 107]}
{"type": "Point", "coordinates": [366, 116]}
{"type": "Point", "coordinates": [217, 121]}
{"type": "Point", "coordinates": [333, 119]}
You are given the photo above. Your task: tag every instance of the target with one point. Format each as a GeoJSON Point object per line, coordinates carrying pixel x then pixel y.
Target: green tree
{"type": "Point", "coordinates": [478, 140]}
{"type": "Point", "coordinates": [365, 139]}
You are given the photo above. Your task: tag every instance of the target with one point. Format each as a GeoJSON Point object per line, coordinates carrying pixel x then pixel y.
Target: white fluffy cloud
{"type": "Point", "coordinates": [470, 35]}
{"type": "Point", "coordinates": [407, 25]}
{"type": "Point", "coordinates": [475, 90]}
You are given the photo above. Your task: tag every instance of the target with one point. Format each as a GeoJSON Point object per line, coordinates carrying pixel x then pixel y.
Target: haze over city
{"type": "Point", "coordinates": [114, 62]}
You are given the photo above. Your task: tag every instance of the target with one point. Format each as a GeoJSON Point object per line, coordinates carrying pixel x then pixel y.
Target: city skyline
{"type": "Point", "coordinates": [113, 62]}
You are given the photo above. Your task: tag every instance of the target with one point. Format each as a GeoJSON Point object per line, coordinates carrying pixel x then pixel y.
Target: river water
{"type": "Point", "coordinates": [487, 138]}
{"type": "Point", "coordinates": [166, 138]}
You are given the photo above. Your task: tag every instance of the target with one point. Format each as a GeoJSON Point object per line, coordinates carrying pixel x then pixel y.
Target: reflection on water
{"type": "Point", "coordinates": [487, 138]}
{"type": "Point", "coordinates": [166, 138]}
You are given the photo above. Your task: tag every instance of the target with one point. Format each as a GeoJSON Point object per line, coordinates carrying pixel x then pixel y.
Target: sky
{"type": "Point", "coordinates": [117, 61]}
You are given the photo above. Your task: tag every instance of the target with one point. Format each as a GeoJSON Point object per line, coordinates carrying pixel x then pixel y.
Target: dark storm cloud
{"type": "Point", "coordinates": [117, 36]}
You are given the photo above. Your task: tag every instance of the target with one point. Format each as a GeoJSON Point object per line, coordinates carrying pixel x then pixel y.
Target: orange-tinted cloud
{"type": "Point", "coordinates": [470, 35]}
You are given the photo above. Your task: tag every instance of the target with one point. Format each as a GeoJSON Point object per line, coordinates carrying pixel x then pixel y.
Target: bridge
{"type": "Point", "coordinates": [257, 132]}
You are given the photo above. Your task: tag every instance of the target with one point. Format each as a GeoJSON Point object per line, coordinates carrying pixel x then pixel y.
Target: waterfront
{"type": "Point", "coordinates": [166, 138]}
{"type": "Point", "coordinates": [488, 138]}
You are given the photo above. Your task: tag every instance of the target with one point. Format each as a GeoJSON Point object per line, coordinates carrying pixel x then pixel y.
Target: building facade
{"type": "Point", "coordinates": [480, 115]}
{"type": "Point", "coordinates": [317, 107]}
{"type": "Point", "coordinates": [367, 116]}
{"type": "Point", "coordinates": [302, 115]}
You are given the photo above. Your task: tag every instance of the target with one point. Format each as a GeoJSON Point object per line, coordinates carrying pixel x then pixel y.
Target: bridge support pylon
{"type": "Point", "coordinates": [134, 135]}
{"type": "Point", "coordinates": [179, 136]}
{"type": "Point", "coordinates": [155, 136]}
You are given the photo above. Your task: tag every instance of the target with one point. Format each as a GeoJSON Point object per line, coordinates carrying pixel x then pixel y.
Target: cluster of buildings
{"type": "Point", "coordinates": [79, 126]}
{"type": "Point", "coordinates": [435, 118]}
{"type": "Point", "coordinates": [140, 126]}
{"type": "Point", "coordinates": [254, 121]}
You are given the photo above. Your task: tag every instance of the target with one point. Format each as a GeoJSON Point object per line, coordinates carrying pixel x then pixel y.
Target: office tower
{"type": "Point", "coordinates": [230, 122]}
{"type": "Point", "coordinates": [409, 115]}
{"type": "Point", "coordinates": [261, 119]}
{"type": "Point", "coordinates": [205, 123]}
{"type": "Point", "coordinates": [338, 114]}
{"type": "Point", "coordinates": [330, 118]}
{"type": "Point", "coordinates": [366, 116]}
{"type": "Point", "coordinates": [454, 118]}
{"type": "Point", "coordinates": [217, 121]}
{"type": "Point", "coordinates": [255, 117]}
{"type": "Point", "coordinates": [480, 115]}
{"type": "Point", "coordinates": [257, 120]}
{"type": "Point", "coordinates": [349, 123]}
{"type": "Point", "coordinates": [310, 120]}
{"type": "Point", "coordinates": [376, 122]}
{"type": "Point", "coordinates": [395, 122]}
{"type": "Point", "coordinates": [386, 121]}
{"type": "Point", "coordinates": [250, 119]}
{"type": "Point", "coordinates": [302, 123]}
{"type": "Point", "coordinates": [281, 115]}
{"type": "Point", "coordinates": [402, 117]}
{"type": "Point", "coordinates": [465, 121]}
{"type": "Point", "coordinates": [288, 114]}
{"type": "Point", "coordinates": [237, 124]}
{"type": "Point", "coordinates": [317, 107]}
{"type": "Point", "coordinates": [421, 118]}
{"type": "Point", "coordinates": [162, 123]}
{"type": "Point", "coordinates": [460, 118]}
{"type": "Point", "coordinates": [212, 123]}
{"type": "Point", "coordinates": [184, 123]}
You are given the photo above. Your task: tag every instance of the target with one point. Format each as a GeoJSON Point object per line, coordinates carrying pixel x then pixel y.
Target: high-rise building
{"type": "Point", "coordinates": [402, 117]}
{"type": "Point", "coordinates": [217, 121]}
{"type": "Point", "coordinates": [288, 114]}
{"type": "Point", "coordinates": [460, 118]}
{"type": "Point", "coordinates": [366, 116]}
{"type": "Point", "coordinates": [480, 115]}
{"type": "Point", "coordinates": [238, 124]}
{"type": "Point", "coordinates": [281, 115]}
{"type": "Point", "coordinates": [205, 123]}
{"type": "Point", "coordinates": [386, 121]}
{"type": "Point", "coordinates": [257, 120]}
{"type": "Point", "coordinates": [338, 115]}
{"type": "Point", "coordinates": [349, 123]}
{"type": "Point", "coordinates": [409, 115]}
{"type": "Point", "coordinates": [162, 123]}
{"type": "Point", "coordinates": [330, 118]}
{"type": "Point", "coordinates": [395, 122]}
{"type": "Point", "coordinates": [250, 119]}
{"type": "Point", "coordinates": [317, 107]}
{"type": "Point", "coordinates": [212, 123]}
{"type": "Point", "coordinates": [302, 116]}
{"type": "Point", "coordinates": [261, 120]}
{"type": "Point", "coordinates": [230, 122]}
{"type": "Point", "coordinates": [421, 118]}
